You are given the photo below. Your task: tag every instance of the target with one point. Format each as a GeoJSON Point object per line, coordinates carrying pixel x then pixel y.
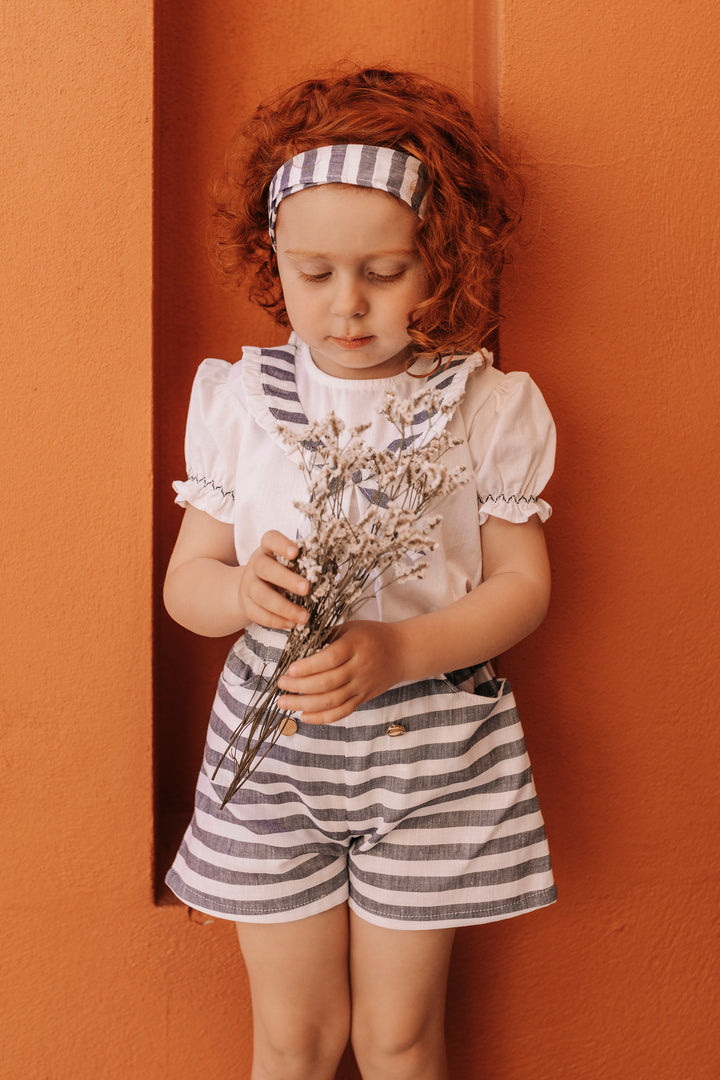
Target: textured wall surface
{"type": "Point", "coordinates": [613, 307]}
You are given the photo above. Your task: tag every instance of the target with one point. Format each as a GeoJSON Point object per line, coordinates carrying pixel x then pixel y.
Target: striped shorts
{"type": "Point", "coordinates": [439, 827]}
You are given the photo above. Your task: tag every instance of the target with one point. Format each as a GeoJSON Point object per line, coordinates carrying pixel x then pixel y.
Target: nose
{"type": "Point", "coordinates": [349, 300]}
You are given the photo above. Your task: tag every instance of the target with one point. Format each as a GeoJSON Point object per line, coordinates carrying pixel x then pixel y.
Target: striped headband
{"type": "Point", "coordinates": [378, 167]}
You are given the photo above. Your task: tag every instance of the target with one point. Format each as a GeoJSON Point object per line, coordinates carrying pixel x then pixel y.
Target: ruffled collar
{"type": "Point", "coordinates": [268, 378]}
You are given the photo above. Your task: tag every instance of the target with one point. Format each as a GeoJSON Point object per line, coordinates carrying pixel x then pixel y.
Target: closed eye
{"type": "Point", "coordinates": [384, 278]}
{"type": "Point", "coordinates": [314, 277]}
{"type": "Point", "coordinates": [380, 279]}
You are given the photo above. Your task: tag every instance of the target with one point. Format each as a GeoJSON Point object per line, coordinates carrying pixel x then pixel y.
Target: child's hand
{"type": "Point", "coordinates": [362, 662]}
{"type": "Point", "coordinates": [264, 580]}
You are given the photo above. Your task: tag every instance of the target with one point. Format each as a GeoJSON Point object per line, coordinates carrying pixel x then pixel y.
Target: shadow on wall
{"type": "Point", "coordinates": [202, 94]}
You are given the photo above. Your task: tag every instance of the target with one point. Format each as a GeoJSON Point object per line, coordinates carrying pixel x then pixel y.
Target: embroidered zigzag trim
{"type": "Point", "coordinates": [507, 498]}
{"type": "Point", "coordinates": [211, 484]}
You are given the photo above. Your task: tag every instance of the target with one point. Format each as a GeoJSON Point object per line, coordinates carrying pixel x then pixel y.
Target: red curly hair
{"type": "Point", "coordinates": [473, 203]}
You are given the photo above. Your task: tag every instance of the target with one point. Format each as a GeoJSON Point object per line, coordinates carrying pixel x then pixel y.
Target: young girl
{"type": "Point", "coordinates": [372, 218]}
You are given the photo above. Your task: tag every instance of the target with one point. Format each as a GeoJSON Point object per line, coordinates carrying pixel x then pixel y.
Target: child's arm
{"type": "Point", "coordinates": [207, 592]}
{"type": "Point", "coordinates": [370, 657]}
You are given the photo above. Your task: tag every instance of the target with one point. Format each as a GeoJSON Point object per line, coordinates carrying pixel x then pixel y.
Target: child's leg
{"type": "Point", "coordinates": [398, 980]}
{"type": "Point", "coordinates": [300, 995]}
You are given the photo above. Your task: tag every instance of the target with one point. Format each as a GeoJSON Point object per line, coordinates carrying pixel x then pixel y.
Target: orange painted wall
{"type": "Point", "coordinates": [613, 307]}
{"type": "Point", "coordinates": [618, 305]}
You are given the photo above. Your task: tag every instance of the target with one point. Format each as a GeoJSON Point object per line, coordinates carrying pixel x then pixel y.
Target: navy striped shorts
{"type": "Point", "coordinates": [439, 827]}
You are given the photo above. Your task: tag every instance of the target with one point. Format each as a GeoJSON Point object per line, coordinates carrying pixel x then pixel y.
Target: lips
{"type": "Point", "coordinates": [351, 343]}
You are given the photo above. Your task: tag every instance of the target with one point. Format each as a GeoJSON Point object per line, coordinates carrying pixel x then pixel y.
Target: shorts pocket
{"type": "Point", "coordinates": [479, 681]}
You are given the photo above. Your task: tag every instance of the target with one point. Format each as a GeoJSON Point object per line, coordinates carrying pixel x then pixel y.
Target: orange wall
{"type": "Point", "coordinates": [616, 308]}
{"type": "Point", "coordinates": [613, 308]}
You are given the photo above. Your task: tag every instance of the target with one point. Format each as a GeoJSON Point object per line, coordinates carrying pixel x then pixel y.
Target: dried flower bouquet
{"type": "Point", "coordinates": [348, 556]}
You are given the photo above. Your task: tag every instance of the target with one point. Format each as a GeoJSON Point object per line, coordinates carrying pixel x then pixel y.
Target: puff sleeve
{"type": "Point", "coordinates": [211, 444]}
{"type": "Point", "coordinates": [512, 445]}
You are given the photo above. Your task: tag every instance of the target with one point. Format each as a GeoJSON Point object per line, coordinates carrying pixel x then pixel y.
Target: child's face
{"type": "Point", "coordinates": [351, 274]}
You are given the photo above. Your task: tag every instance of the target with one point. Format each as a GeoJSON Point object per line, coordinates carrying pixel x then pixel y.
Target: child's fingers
{"type": "Point", "coordinates": [267, 569]}
{"type": "Point", "coordinates": [331, 716]}
{"type": "Point", "coordinates": [322, 697]}
{"type": "Point", "coordinates": [272, 608]}
{"type": "Point", "coordinates": [265, 581]}
{"type": "Point", "coordinates": [328, 659]}
{"type": "Point", "coordinates": [325, 682]}
{"type": "Point", "coordinates": [331, 683]}
{"type": "Point", "coordinates": [322, 708]}
{"type": "Point", "coordinates": [273, 547]}
{"type": "Point", "coordinates": [264, 601]}
{"type": "Point", "coordinates": [276, 543]}
{"type": "Point", "coordinates": [265, 605]}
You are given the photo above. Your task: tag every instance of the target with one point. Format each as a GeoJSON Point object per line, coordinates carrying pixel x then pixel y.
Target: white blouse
{"type": "Point", "coordinates": [240, 471]}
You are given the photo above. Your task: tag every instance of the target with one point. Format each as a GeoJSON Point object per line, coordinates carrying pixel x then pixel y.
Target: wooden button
{"type": "Point", "coordinates": [396, 729]}
{"type": "Point", "coordinates": [289, 726]}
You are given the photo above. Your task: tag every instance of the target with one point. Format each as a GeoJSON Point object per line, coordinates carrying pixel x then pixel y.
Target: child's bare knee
{"type": "Point", "coordinates": [310, 1052]}
{"type": "Point", "coordinates": [395, 1046]}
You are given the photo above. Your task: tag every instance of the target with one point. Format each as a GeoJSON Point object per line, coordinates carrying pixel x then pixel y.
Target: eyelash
{"type": "Point", "coordinates": [381, 279]}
